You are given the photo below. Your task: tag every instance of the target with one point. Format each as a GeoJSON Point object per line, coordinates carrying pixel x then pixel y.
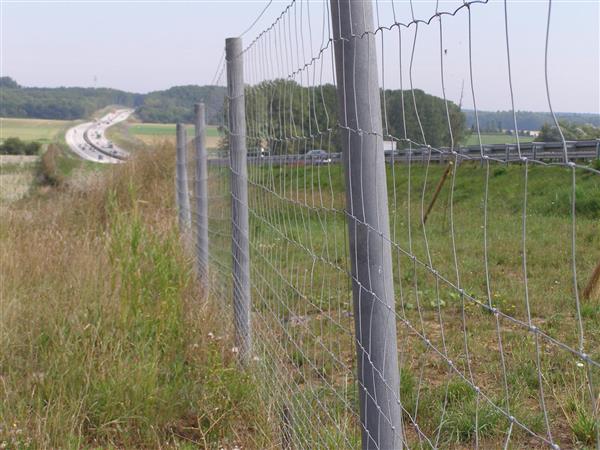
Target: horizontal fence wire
{"type": "Point", "coordinates": [497, 347]}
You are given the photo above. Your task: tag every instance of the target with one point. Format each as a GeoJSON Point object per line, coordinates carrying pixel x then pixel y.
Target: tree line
{"type": "Point", "coordinates": [69, 103]}
{"type": "Point", "coordinates": [63, 103]}
{"type": "Point", "coordinates": [283, 113]}
{"type": "Point", "coordinates": [499, 121]}
{"type": "Point", "coordinates": [290, 110]}
{"type": "Point", "coordinates": [571, 132]}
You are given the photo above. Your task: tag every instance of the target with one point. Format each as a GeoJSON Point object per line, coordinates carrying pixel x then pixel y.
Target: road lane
{"type": "Point", "coordinates": [88, 140]}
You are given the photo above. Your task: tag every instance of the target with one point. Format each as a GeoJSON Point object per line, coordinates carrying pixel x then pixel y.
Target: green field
{"type": "Point", "coordinates": [495, 138]}
{"type": "Point", "coordinates": [156, 133]}
{"type": "Point", "coordinates": [40, 130]}
{"type": "Point", "coordinates": [165, 129]}
{"type": "Point", "coordinates": [302, 309]}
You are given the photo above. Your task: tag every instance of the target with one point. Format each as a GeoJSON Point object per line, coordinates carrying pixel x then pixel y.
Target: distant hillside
{"type": "Point", "coordinates": [68, 103]}
{"type": "Point", "coordinates": [526, 120]}
{"type": "Point", "coordinates": [64, 103]}
{"type": "Point", "coordinates": [176, 104]}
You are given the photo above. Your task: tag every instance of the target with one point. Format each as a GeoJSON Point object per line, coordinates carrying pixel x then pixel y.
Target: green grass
{"type": "Point", "coordinates": [165, 129]}
{"type": "Point", "coordinates": [105, 334]}
{"type": "Point", "coordinates": [109, 343]}
{"type": "Point", "coordinates": [299, 273]}
{"type": "Point", "coordinates": [40, 130]}
{"type": "Point", "coordinates": [132, 135]}
{"type": "Point", "coordinates": [495, 138]}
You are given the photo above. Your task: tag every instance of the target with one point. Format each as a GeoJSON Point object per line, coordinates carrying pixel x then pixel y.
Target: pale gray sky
{"type": "Point", "coordinates": [142, 46]}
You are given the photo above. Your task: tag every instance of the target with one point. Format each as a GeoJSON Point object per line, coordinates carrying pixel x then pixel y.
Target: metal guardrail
{"type": "Point", "coordinates": [540, 151]}
{"type": "Point", "coordinates": [115, 155]}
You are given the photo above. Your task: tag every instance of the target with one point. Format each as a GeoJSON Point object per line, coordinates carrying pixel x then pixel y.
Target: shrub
{"type": "Point", "coordinates": [48, 172]}
{"type": "Point", "coordinates": [15, 146]}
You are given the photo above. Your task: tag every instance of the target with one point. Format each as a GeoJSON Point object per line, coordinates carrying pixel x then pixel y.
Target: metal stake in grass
{"type": "Point", "coordinates": [183, 197]}
{"type": "Point", "coordinates": [239, 196]}
{"type": "Point", "coordinates": [438, 188]}
{"type": "Point", "coordinates": [201, 192]}
{"type": "Point", "coordinates": [594, 284]}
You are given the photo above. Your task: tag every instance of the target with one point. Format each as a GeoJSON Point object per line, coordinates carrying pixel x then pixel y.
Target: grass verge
{"type": "Point", "coordinates": [106, 340]}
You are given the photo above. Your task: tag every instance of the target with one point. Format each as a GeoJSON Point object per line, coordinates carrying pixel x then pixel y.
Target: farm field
{"type": "Point", "coordinates": [40, 130]}
{"type": "Point", "coordinates": [301, 290]}
{"type": "Point", "coordinates": [495, 138]}
{"type": "Point", "coordinates": [152, 133]}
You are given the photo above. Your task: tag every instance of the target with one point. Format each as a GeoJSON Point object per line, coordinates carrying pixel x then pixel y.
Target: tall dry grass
{"type": "Point", "coordinates": [106, 340]}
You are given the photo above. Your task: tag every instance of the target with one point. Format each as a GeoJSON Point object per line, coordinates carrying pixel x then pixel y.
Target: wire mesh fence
{"type": "Point", "coordinates": [404, 293]}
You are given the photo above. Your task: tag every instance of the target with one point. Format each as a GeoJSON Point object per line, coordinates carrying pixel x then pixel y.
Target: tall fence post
{"type": "Point", "coordinates": [368, 223]}
{"type": "Point", "coordinates": [201, 192]}
{"type": "Point", "coordinates": [183, 197]}
{"type": "Point", "coordinates": [239, 196]}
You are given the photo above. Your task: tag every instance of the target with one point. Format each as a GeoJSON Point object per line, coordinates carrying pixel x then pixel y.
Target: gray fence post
{"type": "Point", "coordinates": [368, 223]}
{"type": "Point", "coordinates": [183, 198]}
{"type": "Point", "coordinates": [239, 196]}
{"type": "Point", "coordinates": [201, 192]}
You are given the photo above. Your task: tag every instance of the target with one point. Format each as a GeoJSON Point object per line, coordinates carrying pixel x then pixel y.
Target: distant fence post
{"type": "Point", "coordinates": [239, 196]}
{"type": "Point", "coordinates": [183, 198]}
{"type": "Point", "coordinates": [201, 193]}
{"type": "Point", "coordinates": [368, 223]}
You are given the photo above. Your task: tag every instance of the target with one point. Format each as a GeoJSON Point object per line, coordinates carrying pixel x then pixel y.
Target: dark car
{"type": "Point", "coordinates": [260, 153]}
{"type": "Point", "coordinates": [317, 157]}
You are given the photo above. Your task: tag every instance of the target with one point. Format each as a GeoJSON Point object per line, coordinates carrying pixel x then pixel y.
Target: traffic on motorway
{"type": "Point", "coordinates": [583, 150]}
{"type": "Point", "coordinates": [88, 140]}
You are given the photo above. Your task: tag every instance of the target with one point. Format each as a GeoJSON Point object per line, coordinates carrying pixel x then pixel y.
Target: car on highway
{"type": "Point", "coordinates": [260, 153]}
{"type": "Point", "coordinates": [317, 157]}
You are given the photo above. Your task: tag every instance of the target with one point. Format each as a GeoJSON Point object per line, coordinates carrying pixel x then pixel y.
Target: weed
{"type": "Point", "coordinates": [49, 173]}
{"type": "Point", "coordinates": [458, 392]}
{"type": "Point", "coordinates": [585, 427]}
{"type": "Point", "coordinates": [587, 202]}
{"type": "Point", "coordinates": [463, 422]}
{"type": "Point", "coordinates": [498, 171]}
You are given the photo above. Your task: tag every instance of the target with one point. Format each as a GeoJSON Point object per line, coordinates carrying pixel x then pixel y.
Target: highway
{"type": "Point", "coordinates": [88, 140]}
{"type": "Point", "coordinates": [546, 152]}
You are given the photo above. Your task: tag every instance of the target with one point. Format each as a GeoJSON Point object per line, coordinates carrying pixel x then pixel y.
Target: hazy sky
{"type": "Point", "coordinates": [142, 46]}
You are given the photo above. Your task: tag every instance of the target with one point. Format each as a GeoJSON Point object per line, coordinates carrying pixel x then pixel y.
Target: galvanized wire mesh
{"type": "Point", "coordinates": [497, 348]}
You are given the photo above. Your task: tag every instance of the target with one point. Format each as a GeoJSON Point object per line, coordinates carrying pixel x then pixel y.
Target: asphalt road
{"type": "Point", "coordinates": [88, 140]}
